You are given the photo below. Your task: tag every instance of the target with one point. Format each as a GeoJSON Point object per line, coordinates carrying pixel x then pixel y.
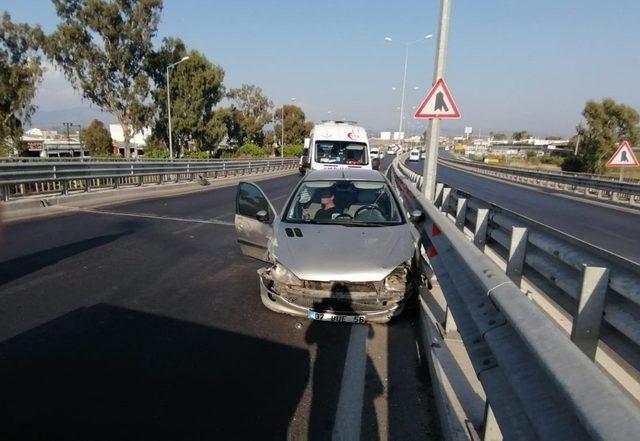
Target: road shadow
{"type": "Point", "coordinates": [332, 344]}
{"type": "Point", "coordinates": [110, 373]}
{"type": "Point", "coordinates": [21, 266]}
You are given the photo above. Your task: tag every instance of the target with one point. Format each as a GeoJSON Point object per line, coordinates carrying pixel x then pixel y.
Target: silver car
{"type": "Point", "coordinates": [342, 250]}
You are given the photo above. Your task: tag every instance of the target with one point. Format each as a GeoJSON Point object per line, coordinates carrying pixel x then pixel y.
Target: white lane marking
{"type": "Point", "coordinates": [153, 216]}
{"type": "Point", "coordinates": [349, 411]}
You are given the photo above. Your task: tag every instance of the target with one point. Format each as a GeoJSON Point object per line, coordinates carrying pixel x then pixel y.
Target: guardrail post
{"type": "Point", "coordinates": [177, 178]}
{"type": "Point", "coordinates": [249, 166]}
{"type": "Point", "coordinates": [6, 192]}
{"type": "Point", "coordinates": [87, 185]}
{"type": "Point", "coordinates": [191, 177]}
{"type": "Point", "coordinates": [588, 318]}
{"type": "Point", "coordinates": [446, 194]}
{"type": "Point", "coordinates": [491, 430]}
{"type": "Point", "coordinates": [224, 169]}
{"type": "Point", "coordinates": [461, 213]}
{"type": "Point", "coordinates": [517, 251]}
{"type": "Point", "coordinates": [116, 182]}
{"type": "Point", "coordinates": [160, 178]}
{"type": "Point", "coordinates": [65, 187]}
{"type": "Point", "coordinates": [480, 233]}
{"type": "Point", "coordinates": [438, 197]}
{"type": "Point", "coordinates": [140, 180]}
{"type": "Point", "coordinates": [449, 322]}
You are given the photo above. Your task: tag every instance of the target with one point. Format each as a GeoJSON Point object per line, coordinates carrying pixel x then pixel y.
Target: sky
{"type": "Point", "coordinates": [512, 65]}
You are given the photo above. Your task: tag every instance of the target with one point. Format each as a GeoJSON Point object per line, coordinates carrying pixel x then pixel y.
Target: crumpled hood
{"type": "Point", "coordinates": [327, 253]}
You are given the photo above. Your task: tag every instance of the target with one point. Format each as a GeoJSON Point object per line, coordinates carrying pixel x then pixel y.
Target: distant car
{"type": "Point", "coordinates": [423, 154]}
{"type": "Point", "coordinates": [414, 155]}
{"type": "Point", "coordinates": [391, 150]}
{"type": "Point", "coordinates": [374, 152]}
{"type": "Point", "coordinates": [342, 250]}
{"type": "Point", "coordinates": [381, 154]}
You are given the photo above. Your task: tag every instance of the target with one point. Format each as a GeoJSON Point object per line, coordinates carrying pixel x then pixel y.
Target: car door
{"type": "Point", "coordinates": [253, 229]}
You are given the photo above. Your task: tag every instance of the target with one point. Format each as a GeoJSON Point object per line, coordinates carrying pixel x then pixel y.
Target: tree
{"type": "Point", "coordinates": [196, 88]}
{"type": "Point", "coordinates": [97, 139]}
{"type": "Point", "coordinates": [231, 118]}
{"type": "Point", "coordinates": [20, 73]}
{"type": "Point", "coordinates": [102, 47]}
{"type": "Point", "coordinates": [607, 125]}
{"type": "Point", "coordinates": [521, 135]}
{"type": "Point", "coordinates": [255, 111]}
{"type": "Point", "coordinates": [296, 128]}
{"type": "Point", "coordinates": [500, 137]}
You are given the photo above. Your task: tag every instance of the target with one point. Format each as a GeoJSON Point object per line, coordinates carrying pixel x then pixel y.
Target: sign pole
{"type": "Point", "coordinates": [431, 161]}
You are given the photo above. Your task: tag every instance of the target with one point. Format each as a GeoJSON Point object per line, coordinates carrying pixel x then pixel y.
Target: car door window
{"type": "Point", "coordinates": [251, 200]}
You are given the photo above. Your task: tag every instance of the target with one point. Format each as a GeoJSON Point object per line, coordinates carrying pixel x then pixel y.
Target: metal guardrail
{"type": "Point", "coordinates": [538, 383]}
{"type": "Point", "coordinates": [16, 159]}
{"type": "Point", "coordinates": [20, 179]}
{"type": "Point", "coordinates": [594, 186]}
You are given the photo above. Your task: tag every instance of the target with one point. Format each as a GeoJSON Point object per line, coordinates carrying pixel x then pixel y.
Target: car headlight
{"type": "Point", "coordinates": [282, 275]}
{"type": "Point", "coordinates": [397, 280]}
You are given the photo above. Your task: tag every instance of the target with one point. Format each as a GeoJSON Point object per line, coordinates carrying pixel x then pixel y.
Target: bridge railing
{"type": "Point", "coordinates": [19, 179]}
{"type": "Point", "coordinates": [594, 186]}
{"type": "Point", "coordinates": [539, 384]}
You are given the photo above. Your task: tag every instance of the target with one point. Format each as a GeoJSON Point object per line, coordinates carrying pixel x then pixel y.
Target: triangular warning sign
{"type": "Point", "coordinates": [623, 157]}
{"type": "Point", "coordinates": [438, 104]}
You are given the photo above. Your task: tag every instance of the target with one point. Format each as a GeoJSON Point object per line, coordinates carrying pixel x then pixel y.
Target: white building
{"type": "Point", "coordinates": [136, 143]}
{"type": "Point", "coordinates": [117, 134]}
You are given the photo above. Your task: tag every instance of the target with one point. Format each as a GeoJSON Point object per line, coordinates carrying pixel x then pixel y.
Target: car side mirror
{"type": "Point", "coordinates": [305, 162]}
{"type": "Point", "coordinates": [416, 216]}
{"type": "Point", "coordinates": [376, 164]}
{"type": "Point", "coordinates": [262, 216]}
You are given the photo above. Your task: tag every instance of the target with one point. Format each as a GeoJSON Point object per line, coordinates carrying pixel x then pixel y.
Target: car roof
{"type": "Point", "coordinates": [356, 174]}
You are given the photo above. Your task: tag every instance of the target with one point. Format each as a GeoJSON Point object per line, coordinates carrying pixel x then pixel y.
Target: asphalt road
{"type": "Point", "coordinates": [609, 228]}
{"type": "Point", "coordinates": [143, 321]}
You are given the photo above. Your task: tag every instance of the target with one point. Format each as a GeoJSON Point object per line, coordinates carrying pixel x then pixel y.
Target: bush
{"type": "Point", "coordinates": [250, 151]}
{"type": "Point", "coordinates": [156, 154]}
{"type": "Point", "coordinates": [573, 163]}
{"type": "Point", "coordinates": [292, 150]}
{"type": "Point", "coordinates": [556, 160]}
{"type": "Point", "coordinates": [197, 154]}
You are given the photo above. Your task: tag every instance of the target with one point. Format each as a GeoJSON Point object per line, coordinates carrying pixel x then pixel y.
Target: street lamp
{"type": "Point", "coordinates": [282, 139]}
{"type": "Point", "coordinates": [169, 102]}
{"type": "Point", "coordinates": [404, 77]}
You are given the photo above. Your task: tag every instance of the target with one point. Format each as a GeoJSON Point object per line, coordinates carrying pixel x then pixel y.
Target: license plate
{"type": "Point", "coordinates": [337, 318]}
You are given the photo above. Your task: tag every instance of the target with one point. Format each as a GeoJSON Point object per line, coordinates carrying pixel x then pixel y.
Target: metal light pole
{"type": "Point", "coordinates": [169, 103]}
{"type": "Point", "coordinates": [431, 161]}
{"type": "Point", "coordinates": [404, 75]}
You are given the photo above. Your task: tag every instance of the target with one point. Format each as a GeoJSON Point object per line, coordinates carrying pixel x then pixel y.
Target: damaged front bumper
{"type": "Point", "coordinates": [371, 300]}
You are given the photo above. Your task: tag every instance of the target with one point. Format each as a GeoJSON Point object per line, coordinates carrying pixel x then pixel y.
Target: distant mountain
{"type": "Point", "coordinates": [50, 119]}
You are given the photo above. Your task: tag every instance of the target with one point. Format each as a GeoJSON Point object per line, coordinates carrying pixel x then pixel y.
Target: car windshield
{"type": "Point", "coordinates": [361, 203]}
{"type": "Point", "coordinates": [341, 152]}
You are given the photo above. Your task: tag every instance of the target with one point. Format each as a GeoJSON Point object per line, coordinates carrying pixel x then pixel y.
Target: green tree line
{"type": "Point", "coordinates": [105, 49]}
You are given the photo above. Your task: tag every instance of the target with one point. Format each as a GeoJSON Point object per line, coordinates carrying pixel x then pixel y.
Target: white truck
{"type": "Point", "coordinates": [339, 145]}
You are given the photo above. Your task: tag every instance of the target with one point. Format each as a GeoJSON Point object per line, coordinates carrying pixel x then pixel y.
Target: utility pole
{"type": "Point", "coordinates": [68, 126]}
{"type": "Point", "coordinates": [431, 162]}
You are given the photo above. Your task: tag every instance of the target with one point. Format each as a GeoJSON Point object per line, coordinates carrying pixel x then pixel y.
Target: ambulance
{"type": "Point", "coordinates": [339, 145]}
